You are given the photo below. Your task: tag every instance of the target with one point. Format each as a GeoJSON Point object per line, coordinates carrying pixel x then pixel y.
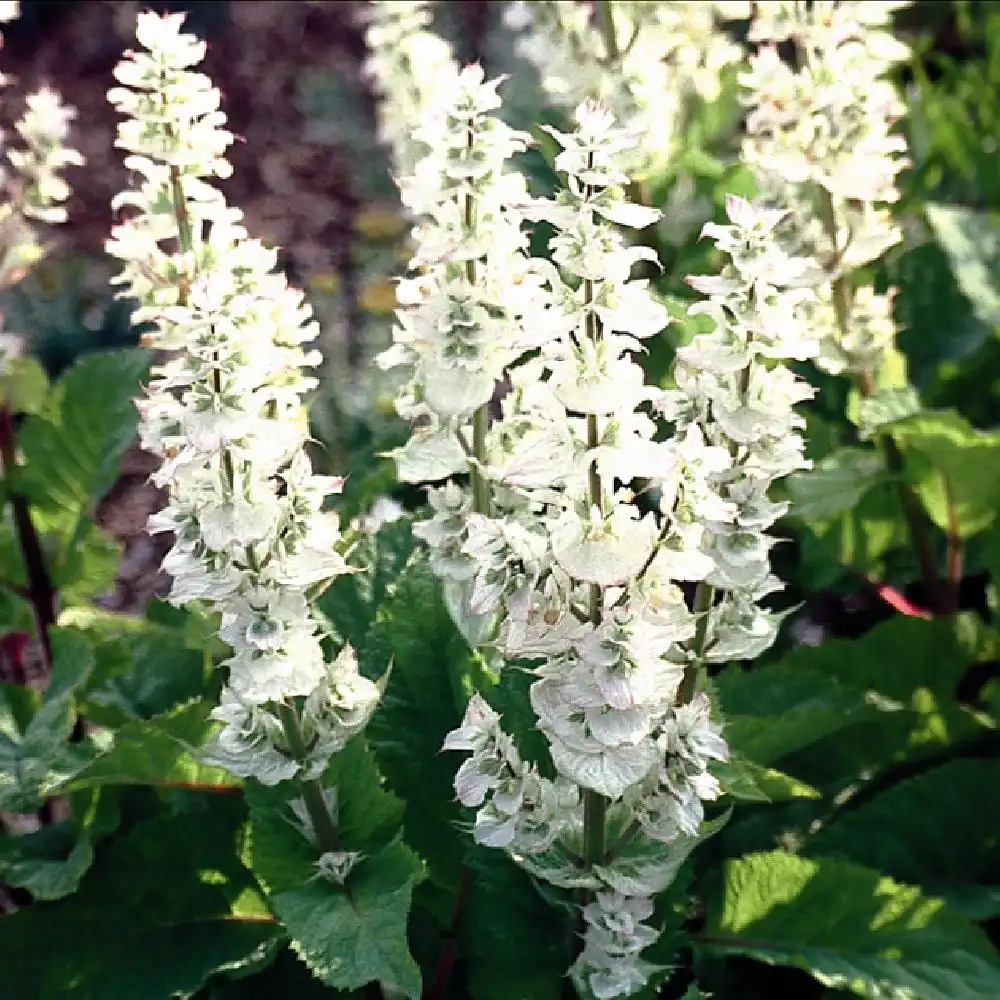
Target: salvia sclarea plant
{"type": "Point", "coordinates": [564, 555]}
{"type": "Point", "coordinates": [822, 143]}
{"type": "Point", "coordinates": [225, 412]}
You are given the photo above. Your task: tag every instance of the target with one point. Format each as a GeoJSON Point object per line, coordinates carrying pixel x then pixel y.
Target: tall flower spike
{"type": "Point", "coordinates": [821, 141]}
{"type": "Point", "coordinates": [225, 413]}
{"type": "Point", "coordinates": [579, 579]}
{"type": "Point", "coordinates": [34, 190]}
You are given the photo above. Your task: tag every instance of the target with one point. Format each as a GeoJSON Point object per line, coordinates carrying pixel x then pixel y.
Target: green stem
{"type": "Point", "coordinates": [595, 805]}
{"type": "Point", "coordinates": [704, 595]}
{"type": "Point", "coordinates": [481, 418]}
{"type": "Point", "coordinates": [41, 594]}
{"type": "Point", "coordinates": [605, 18]}
{"type": "Point", "coordinates": [312, 789]}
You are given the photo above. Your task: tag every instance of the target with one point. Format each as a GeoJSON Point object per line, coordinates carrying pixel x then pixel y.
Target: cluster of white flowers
{"type": "Point", "coordinates": [35, 190]}
{"type": "Point", "coordinates": [647, 65]}
{"type": "Point", "coordinates": [224, 411]}
{"type": "Point", "coordinates": [564, 568]}
{"type": "Point", "coordinates": [408, 67]}
{"type": "Point", "coordinates": [462, 321]}
{"type": "Point", "coordinates": [821, 140]}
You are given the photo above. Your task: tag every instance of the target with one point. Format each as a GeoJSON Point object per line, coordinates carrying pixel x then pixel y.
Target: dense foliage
{"type": "Point", "coordinates": [679, 533]}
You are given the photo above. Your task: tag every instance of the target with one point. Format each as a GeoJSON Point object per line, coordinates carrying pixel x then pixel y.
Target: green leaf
{"type": "Point", "coordinates": [88, 567]}
{"type": "Point", "coordinates": [883, 407]}
{"type": "Point", "coordinates": [164, 908]}
{"type": "Point", "coordinates": [517, 946]}
{"type": "Point", "coordinates": [419, 707]}
{"type": "Point", "coordinates": [747, 781]}
{"type": "Point", "coordinates": [849, 927]}
{"type": "Point", "coordinates": [51, 861]}
{"type": "Point", "coordinates": [144, 669]}
{"type": "Point", "coordinates": [954, 468]}
{"type": "Point", "coordinates": [907, 671]}
{"type": "Point", "coordinates": [859, 538]}
{"type": "Point", "coordinates": [971, 239]}
{"type": "Point", "coordinates": [34, 755]}
{"type": "Point", "coordinates": [353, 934]}
{"type": "Point", "coordinates": [23, 385]}
{"type": "Point", "coordinates": [836, 483]}
{"type": "Point", "coordinates": [353, 600]}
{"type": "Point", "coordinates": [160, 751]}
{"type": "Point", "coordinates": [776, 710]}
{"type": "Point", "coordinates": [936, 830]}
{"type": "Point", "coordinates": [71, 448]}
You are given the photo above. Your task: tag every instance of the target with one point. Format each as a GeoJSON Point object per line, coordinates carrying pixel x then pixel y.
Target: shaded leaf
{"type": "Point", "coordinates": [971, 239]}
{"type": "Point", "coordinates": [934, 830]}
{"type": "Point", "coordinates": [836, 483]}
{"type": "Point", "coordinates": [517, 946]}
{"type": "Point", "coordinates": [352, 934]}
{"type": "Point", "coordinates": [955, 469]}
{"type": "Point", "coordinates": [160, 912]}
{"type": "Point", "coordinates": [160, 751]}
{"type": "Point", "coordinates": [850, 928]}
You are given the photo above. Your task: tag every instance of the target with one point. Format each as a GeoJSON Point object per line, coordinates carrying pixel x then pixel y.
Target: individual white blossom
{"type": "Point", "coordinates": [224, 411]}
{"type": "Point", "coordinates": [823, 145]}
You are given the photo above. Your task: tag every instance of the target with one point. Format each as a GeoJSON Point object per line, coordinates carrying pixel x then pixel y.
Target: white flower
{"type": "Point", "coordinates": [224, 410]}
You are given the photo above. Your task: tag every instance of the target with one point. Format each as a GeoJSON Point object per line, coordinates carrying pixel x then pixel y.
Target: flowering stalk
{"type": "Point", "coordinates": [34, 191]}
{"type": "Point", "coordinates": [822, 143]}
{"type": "Point", "coordinates": [578, 579]}
{"type": "Point", "coordinates": [461, 324]}
{"type": "Point", "coordinates": [225, 413]}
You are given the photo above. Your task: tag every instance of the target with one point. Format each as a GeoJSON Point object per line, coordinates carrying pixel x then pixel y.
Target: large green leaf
{"type": "Point", "coordinates": [160, 751]}
{"type": "Point", "coordinates": [775, 710]}
{"type": "Point", "coordinates": [71, 448]}
{"type": "Point", "coordinates": [860, 538]}
{"type": "Point", "coordinates": [420, 706]}
{"type": "Point", "coordinates": [517, 946]}
{"type": "Point", "coordinates": [908, 670]}
{"type": "Point", "coordinates": [51, 861]}
{"type": "Point", "coordinates": [350, 934]}
{"type": "Point", "coordinates": [971, 239]}
{"type": "Point", "coordinates": [938, 830]}
{"type": "Point", "coordinates": [164, 908]}
{"type": "Point", "coordinates": [954, 467]}
{"type": "Point", "coordinates": [849, 927]}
